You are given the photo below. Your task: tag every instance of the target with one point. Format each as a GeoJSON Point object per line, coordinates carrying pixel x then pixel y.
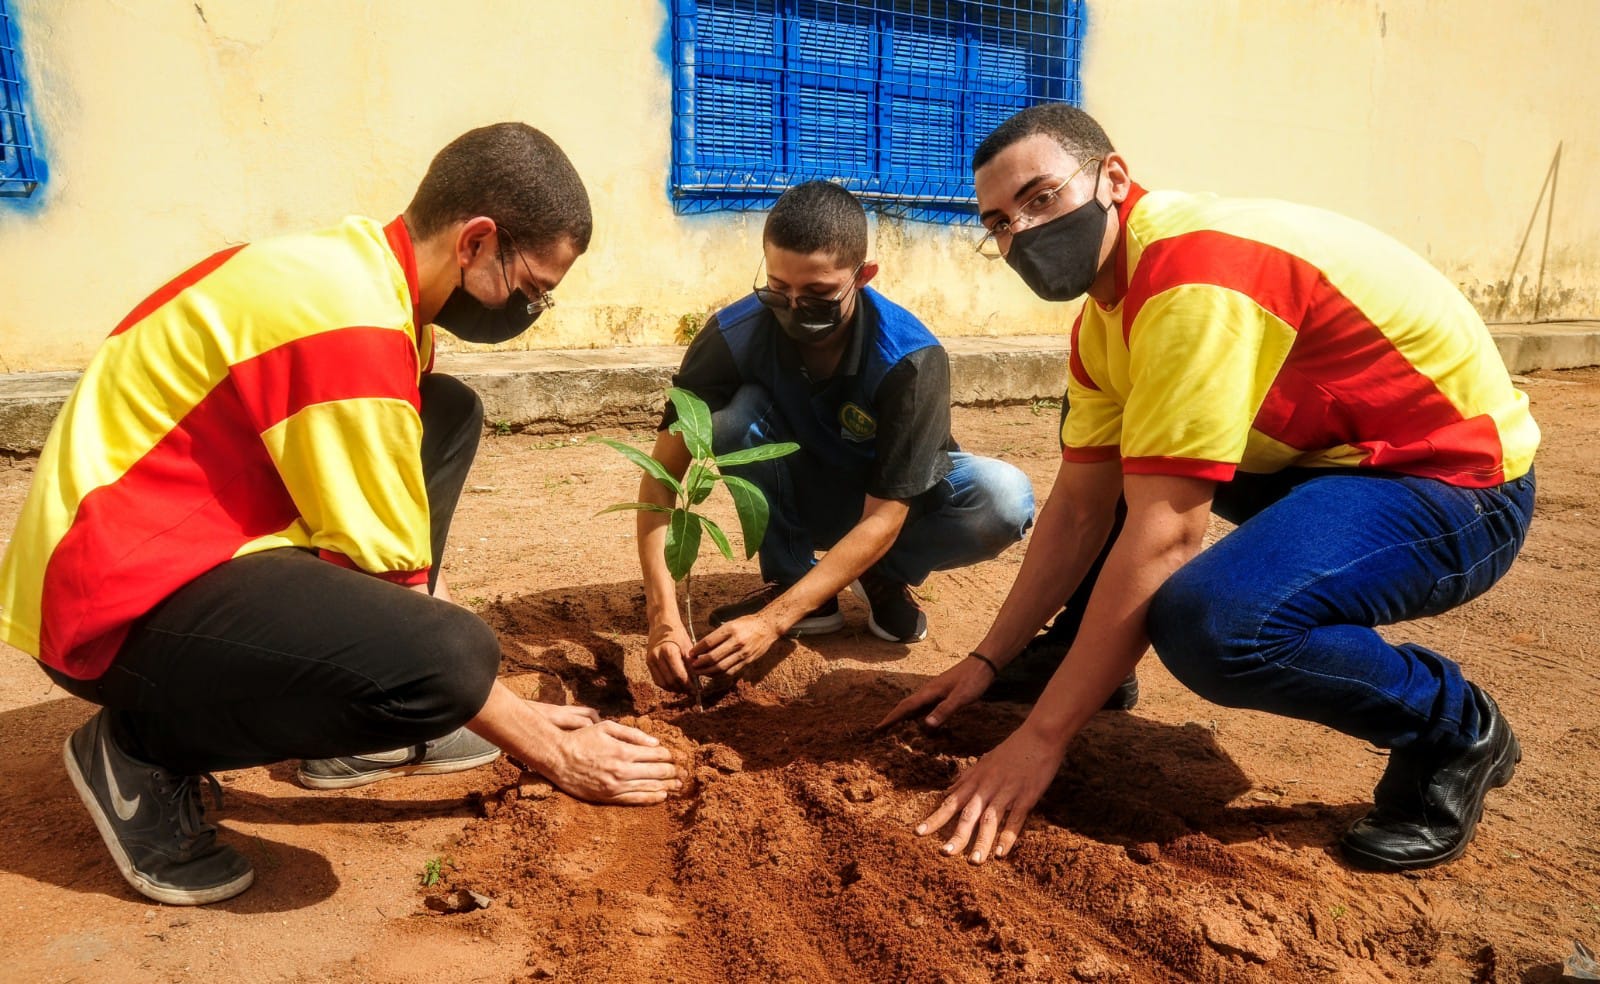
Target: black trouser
{"type": "Point", "coordinates": [280, 655]}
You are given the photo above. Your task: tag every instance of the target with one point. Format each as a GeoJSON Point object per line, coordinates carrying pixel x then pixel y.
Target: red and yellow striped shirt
{"type": "Point", "coordinates": [267, 397]}
{"type": "Point", "coordinates": [1259, 335]}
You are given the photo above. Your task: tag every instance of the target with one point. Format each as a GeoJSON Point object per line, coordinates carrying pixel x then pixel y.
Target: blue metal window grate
{"type": "Point", "coordinates": [19, 173]}
{"type": "Point", "coordinates": [887, 97]}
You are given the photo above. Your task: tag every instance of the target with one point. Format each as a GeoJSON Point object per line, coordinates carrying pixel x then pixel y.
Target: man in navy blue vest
{"type": "Point", "coordinates": [815, 356]}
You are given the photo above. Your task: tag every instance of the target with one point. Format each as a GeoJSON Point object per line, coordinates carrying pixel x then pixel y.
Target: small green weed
{"type": "Point", "coordinates": [502, 428]}
{"type": "Point", "coordinates": [433, 871]}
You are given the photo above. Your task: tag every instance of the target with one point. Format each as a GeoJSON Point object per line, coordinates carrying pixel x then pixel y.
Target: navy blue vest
{"type": "Point", "coordinates": [835, 420]}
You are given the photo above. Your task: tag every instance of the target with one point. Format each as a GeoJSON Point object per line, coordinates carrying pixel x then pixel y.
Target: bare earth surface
{"type": "Point", "coordinates": [1181, 842]}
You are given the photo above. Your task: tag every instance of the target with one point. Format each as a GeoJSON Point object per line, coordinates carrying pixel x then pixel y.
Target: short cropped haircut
{"type": "Point", "coordinates": [516, 176]}
{"type": "Point", "coordinates": [819, 217]}
{"type": "Point", "coordinates": [1072, 128]}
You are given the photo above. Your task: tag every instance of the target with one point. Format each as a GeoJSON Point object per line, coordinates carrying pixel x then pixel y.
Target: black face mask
{"type": "Point", "coordinates": [471, 320]}
{"type": "Point", "coordinates": [812, 320]}
{"type": "Point", "coordinates": [1059, 259]}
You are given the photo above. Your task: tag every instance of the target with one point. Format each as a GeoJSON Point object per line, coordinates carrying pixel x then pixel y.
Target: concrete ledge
{"type": "Point", "coordinates": [573, 389]}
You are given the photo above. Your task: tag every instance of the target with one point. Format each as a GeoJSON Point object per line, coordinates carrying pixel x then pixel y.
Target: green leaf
{"type": "Point", "coordinates": [700, 482]}
{"type": "Point", "coordinates": [765, 452]}
{"type": "Point", "coordinates": [642, 506]}
{"type": "Point", "coordinates": [694, 421]}
{"type": "Point", "coordinates": [752, 508]}
{"type": "Point", "coordinates": [683, 543]}
{"type": "Point", "coordinates": [655, 468]}
{"type": "Point", "coordinates": [717, 536]}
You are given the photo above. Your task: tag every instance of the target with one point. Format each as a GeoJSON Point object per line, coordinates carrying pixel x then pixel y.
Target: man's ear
{"type": "Point", "coordinates": [1115, 167]}
{"type": "Point", "coordinates": [472, 237]}
{"type": "Point", "coordinates": [868, 271]}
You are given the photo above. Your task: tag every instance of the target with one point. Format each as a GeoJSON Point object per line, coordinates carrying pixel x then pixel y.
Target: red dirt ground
{"type": "Point", "coordinates": [1182, 842]}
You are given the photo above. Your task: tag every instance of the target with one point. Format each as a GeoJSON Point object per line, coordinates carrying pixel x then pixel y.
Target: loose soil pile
{"type": "Point", "coordinates": [1181, 842]}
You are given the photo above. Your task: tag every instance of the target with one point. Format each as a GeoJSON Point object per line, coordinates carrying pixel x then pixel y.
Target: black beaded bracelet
{"type": "Point", "coordinates": [986, 661]}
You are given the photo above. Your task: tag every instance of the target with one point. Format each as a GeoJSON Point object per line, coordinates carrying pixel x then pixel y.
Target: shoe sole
{"type": "Point", "coordinates": [141, 884]}
{"type": "Point", "coordinates": [878, 630]}
{"type": "Point", "coordinates": [1504, 767]}
{"type": "Point", "coordinates": [420, 769]}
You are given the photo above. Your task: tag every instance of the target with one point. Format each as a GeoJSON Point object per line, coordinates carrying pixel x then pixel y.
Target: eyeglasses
{"type": "Point", "coordinates": [1028, 214]}
{"type": "Point", "coordinates": [805, 305]}
{"type": "Point", "coordinates": [539, 299]}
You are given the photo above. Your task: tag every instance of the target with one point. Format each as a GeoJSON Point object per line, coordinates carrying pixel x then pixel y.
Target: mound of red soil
{"type": "Point", "coordinates": [792, 858]}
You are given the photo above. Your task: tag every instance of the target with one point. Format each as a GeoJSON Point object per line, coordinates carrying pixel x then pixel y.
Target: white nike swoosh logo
{"type": "Point", "coordinates": [396, 755]}
{"type": "Point", "coordinates": [125, 808]}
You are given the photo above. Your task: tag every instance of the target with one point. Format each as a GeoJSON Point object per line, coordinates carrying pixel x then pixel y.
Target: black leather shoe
{"type": "Point", "coordinates": [1024, 678]}
{"type": "Point", "coordinates": [1426, 808]}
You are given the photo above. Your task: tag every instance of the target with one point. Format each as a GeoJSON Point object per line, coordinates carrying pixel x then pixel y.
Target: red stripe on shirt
{"type": "Point", "coordinates": [400, 242]}
{"type": "Point", "coordinates": [343, 364]}
{"type": "Point", "coordinates": [1075, 364]}
{"type": "Point", "coordinates": [1344, 382]}
{"type": "Point", "coordinates": [405, 578]}
{"type": "Point", "coordinates": [1278, 281]}
{"type": "Point", "coordinates": [1120, 252]}
{"type": "Point", "coordinates": [216, 488]}
{"type": "Point", "coordinates": [176, 286]}
{"type": "Point", "coordinates": [1214, 471]}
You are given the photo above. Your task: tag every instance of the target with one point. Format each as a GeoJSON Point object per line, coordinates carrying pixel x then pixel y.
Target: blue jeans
{"type": "Point", "coordinates": [977, 510]}
{"type": "Point", "coordinates": [1278, 615]}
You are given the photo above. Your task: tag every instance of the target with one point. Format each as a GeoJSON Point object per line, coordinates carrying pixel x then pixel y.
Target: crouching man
{"type": "Point", "coordinates": [815, 356]}
{"type": "Point", "coordinates": [233, 536]}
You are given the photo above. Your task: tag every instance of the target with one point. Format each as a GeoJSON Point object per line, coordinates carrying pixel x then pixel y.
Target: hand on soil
{"type": "Point", "coordinates": [732, 646]}
{"type": "Point", "coordinates": [567, 717]}
{"type": "Point", "coordinates": [665, 657]}
{"type": "Point", "coordinates": [1001, 788]}
{"type": "Point", "coordinates": [613, 763]}
{"type": "Point", "coordinates": [950, 691]}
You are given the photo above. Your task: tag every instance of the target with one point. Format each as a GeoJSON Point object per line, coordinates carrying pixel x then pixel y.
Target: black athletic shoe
{"type": "Point", "coordinates": [1427, 807]}
{"type": "Point", "coordinates": [892, 613]}
{"type": "Point", "coordinates": [823, 619]}
{"type": "Point", "coordinates": [1024, 678]}
{"type": "Point", "coordinates": [153, 822]}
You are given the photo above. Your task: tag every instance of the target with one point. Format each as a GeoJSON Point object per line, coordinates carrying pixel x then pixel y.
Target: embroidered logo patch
{"type": "Point", "coordinates": [857, 422]}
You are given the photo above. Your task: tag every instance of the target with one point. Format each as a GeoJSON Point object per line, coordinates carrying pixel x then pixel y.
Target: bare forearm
{"type": "Point", "coordinates": [1154, 543]}
{"type": "Point", "coordinates": [1060, 552]}
{"type": "Point", "coordinates": [858, 550]}
{"type": "Point", "coordinates": [517, 728]}
{"type": "Point", "coordinates": [660, 591]}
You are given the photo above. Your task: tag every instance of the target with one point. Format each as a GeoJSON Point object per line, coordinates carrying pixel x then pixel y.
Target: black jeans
{"type": "Point", "coordinates": [280, 655]}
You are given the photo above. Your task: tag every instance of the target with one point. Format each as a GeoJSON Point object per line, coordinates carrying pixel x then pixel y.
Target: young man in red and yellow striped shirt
{"type": "Point", "coordinates": [1301, 375]}
{"type": "Point", "coordinates": [233, 535]}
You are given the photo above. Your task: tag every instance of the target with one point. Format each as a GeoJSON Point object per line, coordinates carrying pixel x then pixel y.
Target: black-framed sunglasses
{"type": "Point", "coordinates": [806, 306]}
{"type": "Point", "coordinates": [542, 300]}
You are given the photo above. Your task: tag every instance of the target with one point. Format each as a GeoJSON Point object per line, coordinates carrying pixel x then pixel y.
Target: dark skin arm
{"type": "Point", "coordinates": [990, 802]}
{"type": "Point", "coordinates": [732, 646]}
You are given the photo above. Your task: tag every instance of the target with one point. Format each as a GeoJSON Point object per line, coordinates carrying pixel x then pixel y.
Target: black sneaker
{"type": "Point", "coordinates": [1024, 678]}
{"type": "Point", "coordinates": [823, 619]}
{"type": "Point", "coordinates": [153, 822]}
{"type": "Point", "coordinates": [1426, 807]}
{"type": "Point", "coordinates": [455, 752]}
{"type": "Point", "coordinates": [892, 613]}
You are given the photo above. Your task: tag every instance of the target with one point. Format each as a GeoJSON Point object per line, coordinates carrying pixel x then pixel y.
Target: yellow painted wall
{"type": "Point", "coordinates": [174, 128]}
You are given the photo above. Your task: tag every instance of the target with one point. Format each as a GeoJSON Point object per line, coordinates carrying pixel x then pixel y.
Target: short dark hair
{"type": "Point", "coordinates": [817, 217]}
{"type": "Point", "coordinates": [515, 175]}
{"type": "Point", "coordinates": [1072, 128]}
